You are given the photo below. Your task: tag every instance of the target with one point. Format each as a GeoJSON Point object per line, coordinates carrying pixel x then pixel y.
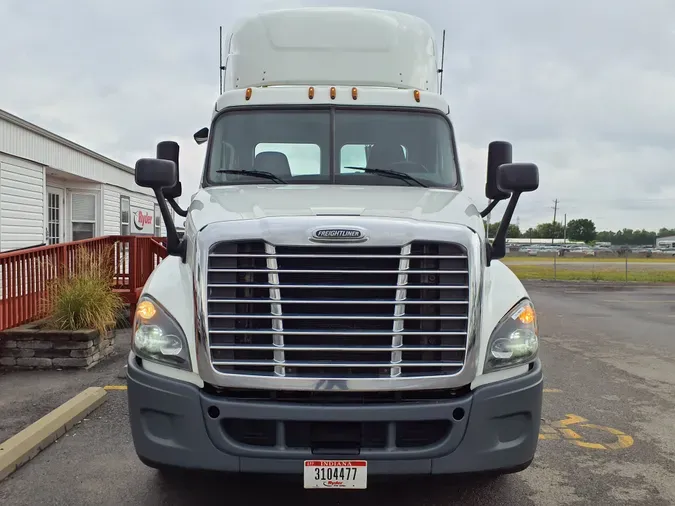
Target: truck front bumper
{"type": "Point", "coordinates": [494, 427]}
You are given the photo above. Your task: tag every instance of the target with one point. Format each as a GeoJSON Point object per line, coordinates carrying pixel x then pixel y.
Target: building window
{"type": "Point", "coordinates": [83, 216]}
{"type": "Point", "coordinates": [125, 215]}
{"type": "Point", "coordinates": [55, 216]}
{"type": "Point", "coordinates": [158, 222]}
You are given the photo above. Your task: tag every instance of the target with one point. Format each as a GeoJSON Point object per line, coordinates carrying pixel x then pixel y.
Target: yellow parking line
{"type": "Point", "coordinates": [552, 391]}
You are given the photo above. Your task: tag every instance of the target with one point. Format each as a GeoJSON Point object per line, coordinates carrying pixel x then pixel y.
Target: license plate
{"type": "Point", "coordinates": [336, 473]}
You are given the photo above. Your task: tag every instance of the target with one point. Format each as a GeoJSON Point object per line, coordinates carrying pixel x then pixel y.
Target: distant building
{"type": "Point", "coordinates": [667, 242]}
{"type": "Point", "coordinates": [525, 240]}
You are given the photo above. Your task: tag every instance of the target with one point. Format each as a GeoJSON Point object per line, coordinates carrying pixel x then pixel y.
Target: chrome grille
{"type": "Point", "coordinates": [338, 312]}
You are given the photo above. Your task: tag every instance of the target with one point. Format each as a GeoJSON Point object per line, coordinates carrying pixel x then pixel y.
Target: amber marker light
{"type": "Point", "coordinates": [333, 92]}
{"type": "Point", "coordinates": [249, 92]}
{"type": "Point", "coordinates": [355, 93]}
{"type": "Point", "coordinates": [146, 310]}
{"type": "Point", "coordinates": [416, 94]}
{"type": "Point", "coordinates": [527, 315]}
{"type": "Point", "coordinates": [310, 93]}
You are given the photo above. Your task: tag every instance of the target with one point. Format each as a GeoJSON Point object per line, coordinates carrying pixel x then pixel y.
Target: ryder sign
{"type": "Point", "coordinates": [142, 221]}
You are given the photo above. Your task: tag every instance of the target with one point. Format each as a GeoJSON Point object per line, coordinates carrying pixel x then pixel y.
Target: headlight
{"type": "Point", "coordinates": [158, 337]}
{"type": "Point", "coordinates": [515, 339]}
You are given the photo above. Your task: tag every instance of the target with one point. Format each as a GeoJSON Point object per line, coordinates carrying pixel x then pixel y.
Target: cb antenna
{"type": "Point", "coordinates": [221, 68]}
{"type": "Point", "coordinates": [440, 71]}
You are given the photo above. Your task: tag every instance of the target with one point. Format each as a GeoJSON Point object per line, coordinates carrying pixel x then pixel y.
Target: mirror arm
{"type": "Point", "coordinates": [179, 210]}
{"type": "Point", "coordinates": [174, 245]}
{"type": "Point", "coordinates": [489, 208]}
{"type": "Point", "coordinates": [497, 249]}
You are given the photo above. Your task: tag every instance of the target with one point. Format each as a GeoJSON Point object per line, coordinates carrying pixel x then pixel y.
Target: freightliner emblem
{"type": "Point", "coordinates": [338, 235]}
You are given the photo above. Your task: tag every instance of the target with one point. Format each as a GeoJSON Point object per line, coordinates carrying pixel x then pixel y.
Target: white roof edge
{"type": "Point", "coordinates": [63, 141]}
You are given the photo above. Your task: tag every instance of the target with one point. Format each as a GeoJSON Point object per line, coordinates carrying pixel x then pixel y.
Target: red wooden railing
{"type": "Point", "coordinates": [25, 274]}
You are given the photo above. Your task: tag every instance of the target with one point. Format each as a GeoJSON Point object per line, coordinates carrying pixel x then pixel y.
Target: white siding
{"type": "Point", "coordinates": [22, 212]}
{"type": "Point", "coordinates": [45, 148]}
{"type": "Point", "coordinates": [111, 210]}
{"type": "Point", "coordinates": [111, 207]}
{"type": "Point", "coordinates": [21, 141]}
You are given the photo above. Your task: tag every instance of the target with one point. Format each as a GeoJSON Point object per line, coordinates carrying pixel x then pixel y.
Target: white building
{"type": "Point", "coordinates": [666, 242]}
{"type": "Point", "coordinates": [53, 190]}
{"type": "Point", "coordinates": [526, 241]}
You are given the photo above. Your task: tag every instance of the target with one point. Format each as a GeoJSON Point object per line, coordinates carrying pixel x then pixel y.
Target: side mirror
{"type": "Point", "coordinates": [201, 136]}
{"type": "Point", "coordinates": [169, 150]}
{"type": "Point", "coordinates": [517, 177]}
{"type": "Point", "coordinates": [156, 174]}
{"type": "Point", "coordinates": [499, 153]}
{"type": "Point", "coordinates": [161, 174]}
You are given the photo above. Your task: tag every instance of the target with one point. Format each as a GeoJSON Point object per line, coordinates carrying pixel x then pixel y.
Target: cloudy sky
{"type": "Point", "coordinates": [584, 88]}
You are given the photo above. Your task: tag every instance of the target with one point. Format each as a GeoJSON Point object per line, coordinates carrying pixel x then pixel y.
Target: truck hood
{"type": "Point", "coordinates": [249, 202]}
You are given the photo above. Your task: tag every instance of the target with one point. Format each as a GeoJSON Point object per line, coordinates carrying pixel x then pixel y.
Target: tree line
{"type": "Point", "coordinates": [583, 229]}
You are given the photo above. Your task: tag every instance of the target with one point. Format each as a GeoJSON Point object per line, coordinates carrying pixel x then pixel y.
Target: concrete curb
{"type": "Point", "coordinates": [25, 445]}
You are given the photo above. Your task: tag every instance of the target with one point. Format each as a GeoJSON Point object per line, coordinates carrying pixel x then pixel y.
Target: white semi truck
{"type": "Point", "coordinates": [334, 309]}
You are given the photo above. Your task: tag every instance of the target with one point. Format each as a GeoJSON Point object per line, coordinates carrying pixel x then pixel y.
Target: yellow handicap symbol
{"type": "Point", "coordinates": [561, 430]}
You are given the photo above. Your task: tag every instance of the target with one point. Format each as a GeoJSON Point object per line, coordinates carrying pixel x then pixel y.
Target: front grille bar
{"type": "Point", "coordinates": [333, 317]}
{"type": "Point", "coordinates": [323, 255]}
{"type": "Point", "coordinates": [277, 323]}
{"type": "Point", "coordinates": [295, 347]}
{"type": "Point", "coordinates": [399, 310]}
{"type": "Point", "coordinates": [339, 333]}
{"type": "Point", "coordinates": [337, 287]}
{"type": "Point", "coordinates": [239, 301]}
{"type": "Point", "coordinates": [340, 301]}
{"type": "Point", "coordinates": [339, 271]}
{"type": "Point", "coordinates": [368, 365]}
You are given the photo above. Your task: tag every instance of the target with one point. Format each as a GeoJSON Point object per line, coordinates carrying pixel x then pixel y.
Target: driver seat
{"type": "Point", "coordinates": [384, 154]}
{"type": "Point", "coordinates": [273, 162]}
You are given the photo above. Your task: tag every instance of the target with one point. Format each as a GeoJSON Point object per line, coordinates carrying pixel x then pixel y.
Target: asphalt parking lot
{"type": "Point", "coordinates": [607, 435]}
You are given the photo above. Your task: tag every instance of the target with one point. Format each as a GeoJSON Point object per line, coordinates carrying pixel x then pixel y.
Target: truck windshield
{"type": "Point", "coordinates": [300, 146]}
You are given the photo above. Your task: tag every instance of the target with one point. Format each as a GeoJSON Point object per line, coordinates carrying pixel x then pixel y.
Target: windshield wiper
{"type": "Point", "coordinates": [254, 173]}
{"type": "Point", "coordinates": [391, 173]}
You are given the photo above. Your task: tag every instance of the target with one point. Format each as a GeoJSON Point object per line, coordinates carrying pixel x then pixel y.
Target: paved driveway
{"type": "Point", "coordinates": [607, 437]}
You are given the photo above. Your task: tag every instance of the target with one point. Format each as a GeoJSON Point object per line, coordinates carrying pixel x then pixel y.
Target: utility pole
{"type": "Point", "coordinates": [565, 230]}
{"type": "Point", "coordinates": [555, 213]}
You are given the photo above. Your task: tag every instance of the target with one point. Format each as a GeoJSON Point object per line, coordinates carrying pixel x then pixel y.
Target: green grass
{"type": "Point", "coordinates": [588, 260]}
{"type": "Point", "coordinates": [544, 272]}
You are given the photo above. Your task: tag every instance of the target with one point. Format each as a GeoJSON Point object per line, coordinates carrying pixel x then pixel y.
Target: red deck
{"type": "Point", "coordinates": [24, 274]}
